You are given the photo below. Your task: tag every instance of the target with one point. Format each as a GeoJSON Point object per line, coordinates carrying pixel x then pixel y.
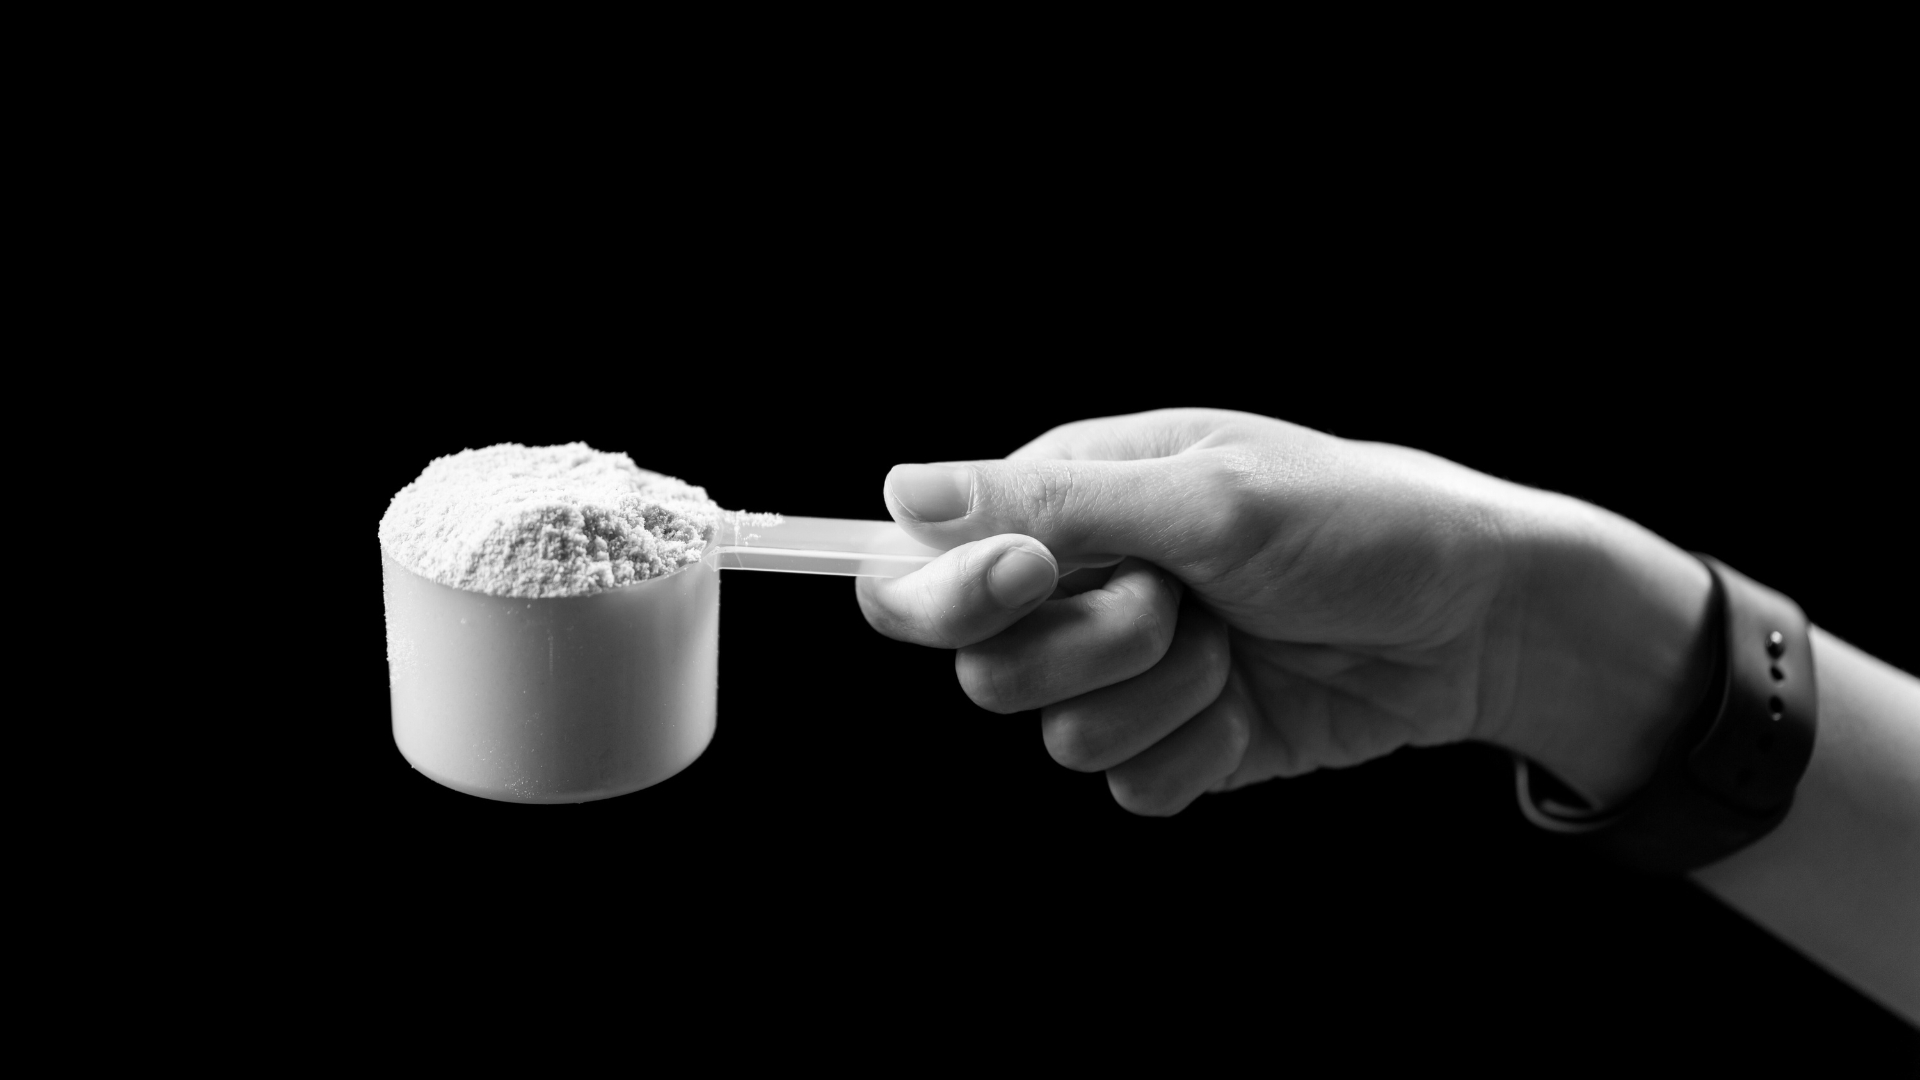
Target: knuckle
{"type": "Point", "coordinates": [917, 612]}
{"type": "Point", "coordinates": [991, 682]}
{"type": "Point", "coordinates": [1148, 638]}
{"type": "Point", "coordinates": [934, 613]}
{"type": "Point", "coordinates": [1229, 513]}
{"type": "Point", "coordinates": [1043, 493]}
{"type": "Point", "coordinates": [1242, 506]}
{"type": "Point", "coordinates": [1215, 652]}
{"type": "Point", "coordinates": [1239, 729]}
{"type": "Point", "coordinates": [939, 632]}
{"type": "Point", "coordinates": [946, 605]}
{"type": "Point", "coordinates": [1240, 501]}
{"type": "Point", "coordinates": [1144, 794]}
{"type": "Point", "coordinates": [879, 612]}
{"type": "Point", "coordinates": [1067, 740]}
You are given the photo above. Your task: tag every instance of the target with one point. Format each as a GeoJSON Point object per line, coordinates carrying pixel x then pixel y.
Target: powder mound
{"type": "Point", "coordinates": [534, 521]}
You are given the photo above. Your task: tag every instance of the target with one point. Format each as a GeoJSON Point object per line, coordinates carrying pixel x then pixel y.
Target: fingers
{"type": "Point", "coordinates": [968, 594]}
{"type": "Point", "coordinates": [1101, 729]}
{"type": "Point", "coordinates": [1076, 644]}
{"type": "Point", "coordinates": [1197, 758]}
{"type": "Point", "coordinates": [1142, 682]}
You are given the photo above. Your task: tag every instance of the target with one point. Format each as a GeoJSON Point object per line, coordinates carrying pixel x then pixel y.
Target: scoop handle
{"type": "Point", "coordinates": [811, 545]}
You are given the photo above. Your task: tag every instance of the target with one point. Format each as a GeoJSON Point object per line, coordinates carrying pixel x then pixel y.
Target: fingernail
{"type": "Point", "coordinates": [932, 492]}
{"type": "Point", "coordinates": [1020, 578]}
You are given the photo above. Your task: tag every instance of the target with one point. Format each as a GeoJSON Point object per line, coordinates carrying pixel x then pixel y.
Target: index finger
{"type": "Point", "coordinates": [968, 594]}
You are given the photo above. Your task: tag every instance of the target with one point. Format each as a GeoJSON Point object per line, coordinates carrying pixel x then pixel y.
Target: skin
{"type": "Point", "coordinates": [1285, 601]}
{"type": "Point", "coordinates": [1224, 598]}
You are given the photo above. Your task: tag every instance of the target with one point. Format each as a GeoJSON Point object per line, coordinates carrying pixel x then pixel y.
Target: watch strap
{"type": "Point", "coordinates": [1727, 777]}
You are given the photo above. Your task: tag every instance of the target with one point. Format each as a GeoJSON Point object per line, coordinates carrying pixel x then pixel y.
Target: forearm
{"type": "Point", "coordinates": [1839, 879]}
{"type": "Point", "coordinates": [1612, 624]}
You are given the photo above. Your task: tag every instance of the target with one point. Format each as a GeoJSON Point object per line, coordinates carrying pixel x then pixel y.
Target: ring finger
{"type": "Point", "coordinates": [1099, 730]}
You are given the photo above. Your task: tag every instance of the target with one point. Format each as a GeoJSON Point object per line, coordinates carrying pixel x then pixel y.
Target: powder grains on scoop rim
{"type": "Point", "coordinates": [545, 521]}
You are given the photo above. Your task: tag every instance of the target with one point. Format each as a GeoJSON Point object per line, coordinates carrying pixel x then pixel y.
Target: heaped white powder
{"type": "Point", "coordinates": [514, 520]}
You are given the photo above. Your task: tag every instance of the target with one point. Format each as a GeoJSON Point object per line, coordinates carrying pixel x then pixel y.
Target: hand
{"type": "Point", "coordinates": [1244, 598]}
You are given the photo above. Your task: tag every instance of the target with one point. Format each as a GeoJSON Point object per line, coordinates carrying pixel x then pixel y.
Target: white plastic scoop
{"type": "Point", "coordinates": [575, 698]}
{"type": "Point", "coordinates": [809, 545]}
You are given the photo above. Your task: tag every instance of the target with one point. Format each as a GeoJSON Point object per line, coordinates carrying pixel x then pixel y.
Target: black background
{"type": "Point", "coordinates": [857, 822]}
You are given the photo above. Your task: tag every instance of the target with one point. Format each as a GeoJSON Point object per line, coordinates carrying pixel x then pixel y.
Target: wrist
{"type": "Point", "coordinates": [1610, 648]}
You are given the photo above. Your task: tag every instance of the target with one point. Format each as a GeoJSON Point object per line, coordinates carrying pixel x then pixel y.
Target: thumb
{"type": "Point", "coordinates": [1088, 513]}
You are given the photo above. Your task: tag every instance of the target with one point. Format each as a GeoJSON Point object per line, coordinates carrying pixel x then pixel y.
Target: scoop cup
{"type": "Point", "coordinates": [575, 698]}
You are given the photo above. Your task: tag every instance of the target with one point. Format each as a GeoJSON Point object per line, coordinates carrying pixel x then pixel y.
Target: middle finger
{"type": "Point", "coordinates": [1080, 643]}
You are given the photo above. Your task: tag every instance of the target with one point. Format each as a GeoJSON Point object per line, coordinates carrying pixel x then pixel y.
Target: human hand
{"type": "Point", "coordinates": [1246, 598]}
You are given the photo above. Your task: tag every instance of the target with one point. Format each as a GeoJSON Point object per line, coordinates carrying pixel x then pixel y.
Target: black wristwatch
{"type": "Point", "coordinates": [1728, 775]}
